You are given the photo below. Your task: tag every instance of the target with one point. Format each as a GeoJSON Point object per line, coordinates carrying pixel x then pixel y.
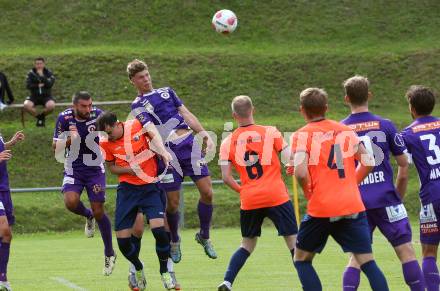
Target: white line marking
{"type": "Point", "coordinates": [67, 283]}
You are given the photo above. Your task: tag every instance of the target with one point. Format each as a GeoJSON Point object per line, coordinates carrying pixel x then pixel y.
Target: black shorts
{"type": "Point", "coordinates": [40, 101]}
{"type": "Point", "coordinates": [352, 234]}
{"type": "Point", "coordinates": [282, 216]}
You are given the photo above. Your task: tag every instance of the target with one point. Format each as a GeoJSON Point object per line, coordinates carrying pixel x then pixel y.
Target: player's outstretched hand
{"type": "Point", "coordinates": [166, 158]}
{"type": "Point", "coordinates": [18, 136]}
{"type": "Point", "coordinates": [5, 155]}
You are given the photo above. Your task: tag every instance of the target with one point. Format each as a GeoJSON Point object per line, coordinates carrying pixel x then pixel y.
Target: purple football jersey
{"type": "Point", "coordinates": [159, 106]}
{"type": "Point", "coordinates": [380, 137]}
{"type": "Point", "coordinates": [85, 156]}
{"type": "Point", "coordinates": [4, 178]}
{"type": "Point", "coordinates": [422, 138]}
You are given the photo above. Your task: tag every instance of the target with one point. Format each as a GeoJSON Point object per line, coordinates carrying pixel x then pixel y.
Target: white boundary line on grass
{"type": "Point", "coordinates": [67, 283]}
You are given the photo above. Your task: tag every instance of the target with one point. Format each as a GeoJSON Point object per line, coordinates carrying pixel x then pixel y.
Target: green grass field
{"type": "Point", "coordinates": [53, 261]}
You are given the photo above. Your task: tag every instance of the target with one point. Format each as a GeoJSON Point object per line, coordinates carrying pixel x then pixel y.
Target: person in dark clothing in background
{"type": "Point", "coordinates": [5, 89]}
{"type": "Point", "coordinates": [39, 82]}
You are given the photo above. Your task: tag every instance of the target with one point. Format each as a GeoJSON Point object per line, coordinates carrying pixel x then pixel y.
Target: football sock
{"type": "Point", "coordinates": [413, 276]}
{"type": "Point", "coordinates": [237, 261]}
{"type": "Point", "coordinates": [308, 276]}
{"type": "Point", "coordinates": [162, 247]}
{"type": "Point", "coordinates": [430, 272]}
{"type": "Point", "coordinates": [136, 241]}
{"type": "Point", "coordinates": [129, 251]}
{"type": "Point", "coordinates": [4, 258]}
{"type": "Point", "coordinates": [82, 210]}
{"type": "Point", "coordinates": [351, 279]}
{"type": "Point", "coordinates": [173, 223]}
{"type": "Point", "coordinates": [375, 276]}
{"type": "Point", "coordinates": [105, 228]}
{"type": "Point", "coordinates": [205, 216]}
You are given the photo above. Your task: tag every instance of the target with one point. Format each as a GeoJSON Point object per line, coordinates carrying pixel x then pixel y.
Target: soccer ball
{"type": "Point", "coordinates": [224, 21]}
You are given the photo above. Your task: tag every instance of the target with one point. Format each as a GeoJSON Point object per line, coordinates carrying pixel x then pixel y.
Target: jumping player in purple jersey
{"type": "Point", "coordinates": [83, 168]}
{"type": "Point", "coordinates": [7, 218]}
{"type": "Point", "coordinates": [381, 198]}
{"type": "Point", "coordinates": [164, 109]}
{"type": "Point", "coordinates": [422, 138]}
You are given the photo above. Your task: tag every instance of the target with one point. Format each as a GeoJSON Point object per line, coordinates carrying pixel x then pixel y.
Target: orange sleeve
{"type": "Point", "coordinates": [106, 153]}
{"type": "Point", "coordinates": [299, 142]}
{"type": "Point", "coordinates": [278, 141]}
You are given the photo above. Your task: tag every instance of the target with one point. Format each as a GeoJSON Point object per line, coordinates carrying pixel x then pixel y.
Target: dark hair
{"type": "Point", "coordinates": [107, 118]}
{"type": "Point", "coordinates": [39, 59]}
{"type": "Point", "coordinates": [314, 101]}
{"type": "Point", "coordinates": [421, 99]}
{"type": "Point", "coordinates": [81, 95]}
{"type": "Point", "coordinates": [356, 88]}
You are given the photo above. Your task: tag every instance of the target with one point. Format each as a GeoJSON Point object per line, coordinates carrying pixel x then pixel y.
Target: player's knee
{"type": "Point", "coordinates": [206, 195]}
{"type": "Point", "coordinates": [50, 106]}
{"type": "Point", "coordinates": [70, 204]}
{"type": "Point", "coordinates": [173, 205]}
{"type": "Point", "coordinates": [6, 236]}
{"type": "Point", "coordinates": [429, 250]}
{"type": "Point", "coordinates": [98, 213]}
{"type": "Point", "coordinates": [161, 236]}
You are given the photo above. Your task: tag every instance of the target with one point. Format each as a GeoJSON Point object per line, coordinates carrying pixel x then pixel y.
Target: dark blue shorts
{"type": "Point", "coordinates": [282, 216]}
{"type": "Point", "coordinates": [188, 161]}
{"type": "Point", "coordinates": [352, 234]}
{"type": "Point", "coordinates": [132, 199]}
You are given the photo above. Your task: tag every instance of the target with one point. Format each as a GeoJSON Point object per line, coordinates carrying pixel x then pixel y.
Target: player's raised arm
{"type": "Point", "coordinates": [366, 162]}
{"type": "Point", "coordinates": [194, 123]}
{"type": "Point", "coordinates": [156, 142]}
{"type": "Point", "coordinates": [18, 137]}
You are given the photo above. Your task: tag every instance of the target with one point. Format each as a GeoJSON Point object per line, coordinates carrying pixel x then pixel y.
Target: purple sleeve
{"type": "Point", "coordinates": [60, 126]}
{"type": "Point", "coordinates": [176, 100]}
{"type": "Point", "coordinates": [140, 112]}
{"type": "Point", "coordinates": [407, 139]}
{"type": "Point", "coordinates": [395, 140]}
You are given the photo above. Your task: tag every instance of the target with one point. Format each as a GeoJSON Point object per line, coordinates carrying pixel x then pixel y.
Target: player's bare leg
{"type": "Point", "coordinates": [237, 261]}
{"type": "Point", "coordinates": [106, 234]}
{"type": "Point", "coordinates": [6, 237]}
{"type": "Point", "coordinates": [74, 204]}
{"type": "Point", "coordinates": [29, 107]}
{"type": "Point", "coordinates": [290, 243]}
{"type": "Point", "coordinates": [205, 209]}
{"type": "Point", "coordinates": [429, 267]}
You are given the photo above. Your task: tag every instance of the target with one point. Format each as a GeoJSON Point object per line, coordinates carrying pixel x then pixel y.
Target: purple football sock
{"type": "Point", "coordinates": [105, 228]}
{"type": "Point", "coordinates": [4, 258]}
{"type": "Point", "coordinates": [430, 272]}
{"type": "Point", "coordinates": [82, 210]}
{"type": "Point", "coordinates": [413, 276]}
{"type": "Point", "coordinates": [351, 279]}
{"type": "Point", "coordinates": [173, 223]}
{"type": "Point", "coordinates": [205, 216]}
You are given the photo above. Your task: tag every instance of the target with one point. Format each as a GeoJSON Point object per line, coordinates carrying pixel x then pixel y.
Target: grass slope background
{"type": "Point", "coordinates": [279, 48]}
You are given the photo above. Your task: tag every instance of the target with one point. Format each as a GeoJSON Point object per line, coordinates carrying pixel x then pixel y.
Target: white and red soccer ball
{"type": "Point", "coordinates": [224, 21]}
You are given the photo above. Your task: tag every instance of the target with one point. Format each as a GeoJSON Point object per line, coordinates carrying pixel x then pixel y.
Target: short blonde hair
{"type": "Point", "coordinates": [135, 66]}
{"type": "Point", "coordinates": [356, 88]}
{"type": "Point", "coordinates": [314, 101]}
{"type": "Point", "coordinates": [242, 106]}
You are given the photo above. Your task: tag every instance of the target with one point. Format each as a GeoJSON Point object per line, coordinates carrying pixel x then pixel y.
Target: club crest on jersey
{"type": "Point", "coordinates": [97, 188]}
{"type": "Point", "coordinates": [91, 128]}
{"type": "Point", "coordinates": [398, 140]}
{"type": "Point", "coordinates": [136, 138]}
